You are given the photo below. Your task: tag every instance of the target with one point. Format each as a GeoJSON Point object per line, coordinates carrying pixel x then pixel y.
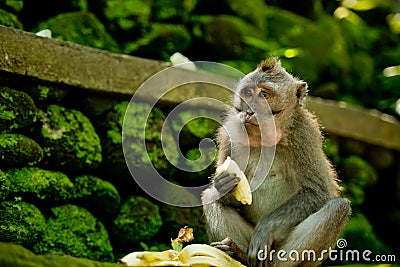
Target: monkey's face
{"type": "Point", "coordinates": [251, 105]}
{"type": "Point", "coordinates": [264, 100]}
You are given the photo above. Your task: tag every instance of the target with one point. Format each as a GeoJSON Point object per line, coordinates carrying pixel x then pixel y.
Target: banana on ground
{"type": "Point", "coordinates": [195, 255]}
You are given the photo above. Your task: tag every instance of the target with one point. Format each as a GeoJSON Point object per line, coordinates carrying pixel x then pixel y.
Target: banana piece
{"type": "Point", "coordinates": [195, 255]}
{"type": "Point", "coordinates": [242, 192]}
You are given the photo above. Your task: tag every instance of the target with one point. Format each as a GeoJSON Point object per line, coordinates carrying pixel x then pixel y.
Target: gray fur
{"type": "Point", "coordinates": [298, 205]}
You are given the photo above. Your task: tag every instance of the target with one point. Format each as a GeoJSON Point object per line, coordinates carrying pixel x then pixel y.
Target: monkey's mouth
{"type": "Point", "coordinates": [251, 120]}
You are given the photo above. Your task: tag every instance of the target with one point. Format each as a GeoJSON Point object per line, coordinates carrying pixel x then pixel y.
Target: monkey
{"type": "Point", "coordinates": [297, 203]}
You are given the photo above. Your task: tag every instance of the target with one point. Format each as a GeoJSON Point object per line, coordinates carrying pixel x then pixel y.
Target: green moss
{"type": "Point", "coordinates": [138, 221]}
{"type": "Point", "coordinates": [17, 256]}
{"type": "Point", "coordinates": [126, 18]}
{"type": "Point", "coordinates": [17, 150]}
{"type": "Point", "coordinates": [17, 110]}
{"type": "Point", "coordinates": [175, 218]}
{"type": "Point", "coordinates": [21, 223]}
{"type": "Point", "coordinates": [356, 170]}
{"type": "Point", "coordinates": [226, 37]}
{"type": "Point", "coordinates": [69, 140]}
{"type": "Point", "coordinates": [80, 27]}
{"type": "Point", "coordinates": [72, 230]}
{"type": "Point", "coordinates": [134, 136]}
{"type": "Point", "coordinates": [37, 184]}
{"type": "Point", "coordinates": [201, 126]}
{"type": "Point", "coordinates": [161, 41]}
{"type": "Point", "coordinates": [98, 196]}
{"type": "Point", "coordinates": [5, 185]}
{"type": "Point", "coordinates": [173, 10]}
{"type": "Point", "coordinates": [14, 5]}
{"type": "Point", "coordinates": [360, 235]}
{"type": "Point", "coordinates": [9, 20]}
{"type": "Point", "coordinates": [201, 163]}
{"type": "Point", "coordinates": [45, 93]}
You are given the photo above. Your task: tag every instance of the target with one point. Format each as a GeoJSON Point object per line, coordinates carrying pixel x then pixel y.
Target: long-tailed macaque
{"type": "Point", "coordinates": [297, 206]}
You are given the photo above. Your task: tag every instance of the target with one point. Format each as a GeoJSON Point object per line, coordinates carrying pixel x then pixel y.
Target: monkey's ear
{"type": "Point", "coordinates": [302, 91]}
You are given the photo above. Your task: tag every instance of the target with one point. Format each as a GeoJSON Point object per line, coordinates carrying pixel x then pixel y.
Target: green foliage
{"type": "Point", "coordinates": [4, 186]}
{"type": "Point", "coordinates": [17, 110]}
{"type": "Point", "coordinates": [138, 221]}
{"type": "Point", "coordinates": [161, 41]}
{"type": "Point", "coordinates": [72, 230]}
{"type": "Point", "coordinates": [69, 140]}
{"type": "Point", "coordinates": [224, 37]}
{"type": "Point", "coordinates": [40, 185]}
{"type": "Point", "coordinates": [9, 20]}
{"type": "Point", "coordinates": [360, 235]}
{"type": "Point", "coordinates": [173, 10]}
{"type": "Point", "coordinates": [14, 6]}
{"type": "Point", "coordinates": [80, 27]}
{"type": "Point", "coordinates": [18, 150]}
{"type": "Point", "coordinates": [21, 223]}
{"type": "Point", "coordinates": [357, 171]}
{"type": "Point", "coordinates": [98, 196]}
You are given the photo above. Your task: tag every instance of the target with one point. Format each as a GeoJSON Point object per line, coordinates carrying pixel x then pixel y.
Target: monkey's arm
{"type": "Point", "coordinates": [272, 230]}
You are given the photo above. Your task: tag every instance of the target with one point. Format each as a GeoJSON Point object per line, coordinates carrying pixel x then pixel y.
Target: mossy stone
{"type": "Point", "coordinates": [5, 185]}
{"type": "Point", "coordinates": [173, 10]}
{"type": "Point", "coordinates": [9, 20]}
{"type": "Point", "coordinates": [138, 221]}
{"type": "Point", "coordinates": [201, 163]}
{"type": "Point", "coordinates": [124, 18]}
{"type": "Point", "coordinates": [18, 256]}
{"type": "Point", "coordinates": [134, 136]}
{"type": "Point", "coordinates": [42, 93]}
{"type": "Point", "coordinates": [226, 37]}
{"type": "Point", "coordinates": [162, 40]}
{"type": "Point", "coordinates": [14, 6]}
{"type": "Point", "coordinates": [72, 230]}
{"type": "Point", "coordinates": [17, 110]}
{"type": "Point", "coordinates": [17, 150]}
{"type": "Point", "coordinates": [69, 140]}
{"type": "Point", "coordinates": [98, 196]}
{"type": "Point", "coordinates": [80, 27]}
{"type": "Point", "coordinates": [40, 185]}
{"type": "Point", "coordinates": [21, 223]}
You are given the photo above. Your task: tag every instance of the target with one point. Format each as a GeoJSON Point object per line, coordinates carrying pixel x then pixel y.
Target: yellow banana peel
{"type": "Point", "coordinates": [195, 255]}
{"type": "Point", "coordinates": [242, 192]}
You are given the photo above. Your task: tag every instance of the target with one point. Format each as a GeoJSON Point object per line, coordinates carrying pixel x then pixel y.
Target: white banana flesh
{"type": "Point", "coordinates": [242, 192]}
{"type": "Point", "coordinates": [195, 255]}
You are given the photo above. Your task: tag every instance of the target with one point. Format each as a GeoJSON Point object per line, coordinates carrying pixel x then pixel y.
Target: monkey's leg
{"type": "Point", "coordinates": [224, 221]}
{"type": "Point", "coordinates": [316, 233]}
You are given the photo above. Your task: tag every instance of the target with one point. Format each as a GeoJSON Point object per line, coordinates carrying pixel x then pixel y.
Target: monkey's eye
{"type": "Point", "coordinates": [263, 94]}
{"type": "Point", "coordinates": [247, 92]}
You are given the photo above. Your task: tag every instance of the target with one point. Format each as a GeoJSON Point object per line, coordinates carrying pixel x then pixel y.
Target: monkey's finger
{"type": "Point", "coordinates": [225, 182]}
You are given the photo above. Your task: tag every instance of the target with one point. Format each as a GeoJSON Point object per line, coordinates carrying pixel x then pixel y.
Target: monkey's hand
{"type": "Point", "coordinates": [225, 182]}
{"type": "Point", "coordinates": [262, 244]}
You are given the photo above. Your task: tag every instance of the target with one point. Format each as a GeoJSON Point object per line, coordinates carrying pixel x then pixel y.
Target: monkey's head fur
{"type": "Point", "coordinates": [268, 91]}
